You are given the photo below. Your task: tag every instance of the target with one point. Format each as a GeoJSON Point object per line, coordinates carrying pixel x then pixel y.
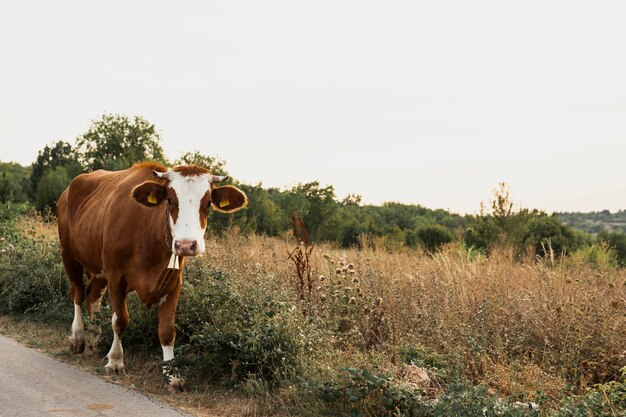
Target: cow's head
{"type": "Point", "coordinates": [190, 193]}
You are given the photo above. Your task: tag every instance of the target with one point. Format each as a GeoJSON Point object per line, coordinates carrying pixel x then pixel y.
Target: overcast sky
{"type": "Point", "coordinates": [426, 102]}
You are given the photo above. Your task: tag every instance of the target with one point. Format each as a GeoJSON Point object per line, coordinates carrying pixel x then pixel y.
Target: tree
{"type": "Point", "coordinates": [262, 215]}
{"type": "Point", "coordinates": [430, 237]}
{"type": "Point", "coordinates": [352, 200]}
{"type": "Point", "coordinates": [501, 225]}
{"type": "Point", "coordinates": [321, 205]}
{"type": "Point", "coordinates": [213, 164]}
{"type": "Point", "coordinates": [14, 182]}
{"type": "Point", "coordinates": [521, 230]}
{"type": "Point", "coordinates": [548, 233]}
{"type": "Point", "coordinates": [59, 154]}
{"type": "Point", "coordinates": [50, 188]}
{"type": "Point", "coordinates": [617, 241]}
{"type": "Point", "coordinates": [114, 142]}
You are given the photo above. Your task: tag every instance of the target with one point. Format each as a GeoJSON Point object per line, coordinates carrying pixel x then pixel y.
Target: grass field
{"type": "Point", "coordinates": [492, 334]}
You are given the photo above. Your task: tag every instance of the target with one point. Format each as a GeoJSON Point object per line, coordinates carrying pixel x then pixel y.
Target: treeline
{"type": "Point", "coordinates": [115, 142]}
{"type": "Point", "coordinates": [596, 221]}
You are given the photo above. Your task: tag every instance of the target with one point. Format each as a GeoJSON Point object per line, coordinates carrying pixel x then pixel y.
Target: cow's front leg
{"type": "Point", "coordinates": [167, 335]}
{"type": "Point", "coordinates": [75, 273]}
{"type": "Point", "coordinates": [119, 322]}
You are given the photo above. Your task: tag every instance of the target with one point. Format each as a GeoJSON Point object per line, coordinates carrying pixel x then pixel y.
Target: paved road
{"type": "Point", "coordinates": [33, 384]}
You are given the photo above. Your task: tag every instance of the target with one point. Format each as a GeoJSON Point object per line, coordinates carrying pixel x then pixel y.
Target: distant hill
{"type": "Point", "coordinates": [596, 221]}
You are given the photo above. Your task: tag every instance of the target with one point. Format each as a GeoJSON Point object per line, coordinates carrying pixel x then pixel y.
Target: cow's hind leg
{"type": "Point", "coordinates": [119, 322]}
{"type": "Point", "coordinates": [95, 290]}
{"type": "Point", "coordinates": [74, 271]}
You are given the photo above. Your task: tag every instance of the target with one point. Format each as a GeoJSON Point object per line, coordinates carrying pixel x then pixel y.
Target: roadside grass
{"type": "Point", "coordinates": [143, 371]}
{"type": "Point", "coordinates": [493, 334]}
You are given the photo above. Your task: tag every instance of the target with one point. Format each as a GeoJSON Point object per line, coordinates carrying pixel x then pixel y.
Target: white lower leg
{"type": "Point", "coordinates": [168, 355]}
{"type": "Point", "coordinates": [78, 328]}
{"type": "Point", "coordinates": [116, 354]}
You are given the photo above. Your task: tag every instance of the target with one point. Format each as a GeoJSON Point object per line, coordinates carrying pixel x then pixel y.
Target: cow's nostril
{"type": "Point", "coordinates": [186, 247]}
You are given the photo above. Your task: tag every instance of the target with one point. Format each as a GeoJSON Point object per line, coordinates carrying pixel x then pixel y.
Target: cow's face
{"type": "Point", "coordinates": [190, 195]}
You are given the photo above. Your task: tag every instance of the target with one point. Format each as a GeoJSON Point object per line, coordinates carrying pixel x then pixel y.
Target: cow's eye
{"type": "Point", "coordinates": [169, 201]}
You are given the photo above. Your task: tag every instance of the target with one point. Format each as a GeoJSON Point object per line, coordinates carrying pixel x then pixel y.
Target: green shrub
{"type": "Point", "coordinates": [230, 334]}
{"type": "Point", "coordinates": [431, 237]}
{"type": "Point", "coordinates": [604, 400]}
{"type": "Point", "coordinates": [599, 255]}
{"type": "Point", "coordinates": [14, 184]}
{"type": "Point", "coordinates": [223, 335]}
{"type": "Point", "coordinates": [442, 366]}
{"type": "Point", "coordinates": [617, 242]}
{"type": "Point", "coordinates": [50, 187]}
{"type": "Point", "coordinates": [358, 392]}
{"type": "Point", "coordinates": [32, 278]}
{"type": "Point", "coordinates": [9, 217]}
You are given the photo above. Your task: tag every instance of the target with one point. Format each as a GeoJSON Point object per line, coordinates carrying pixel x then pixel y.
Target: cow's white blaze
{"type": "Point", "coordinates": [189, 191]}
{"type": "Point", "coordinates": [116, 354]}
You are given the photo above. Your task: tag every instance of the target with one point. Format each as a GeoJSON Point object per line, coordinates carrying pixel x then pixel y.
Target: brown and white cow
{"type": "Point", "coordinates": [131, 230]}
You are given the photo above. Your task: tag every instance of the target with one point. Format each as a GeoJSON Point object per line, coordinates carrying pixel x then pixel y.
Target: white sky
{"type": "Point", "coordinates": [427, 102]}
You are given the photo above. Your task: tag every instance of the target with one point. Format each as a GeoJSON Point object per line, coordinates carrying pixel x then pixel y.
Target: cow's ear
{"type": "Point", "coordinates": [149, 193]}
{"type": "Point", "coordinates": [228, 199]}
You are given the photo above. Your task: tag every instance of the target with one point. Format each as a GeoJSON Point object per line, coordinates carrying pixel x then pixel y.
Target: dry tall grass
{"type": "Point", "coordinates": [519, 327]}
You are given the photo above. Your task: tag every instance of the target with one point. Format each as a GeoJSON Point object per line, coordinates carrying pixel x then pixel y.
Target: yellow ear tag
{"type": "Point", "coordinates": [152, 199]}
{"type": "Point", "coordinates": [224, 203]}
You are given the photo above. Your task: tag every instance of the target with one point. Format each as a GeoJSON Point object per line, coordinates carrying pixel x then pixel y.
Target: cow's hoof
{"type": "Point", "coordinates": [77, 347]}
{"type": "Point", "coordinates": [115, 368]}
{"type": "Point", "coordinates": [176, 385]}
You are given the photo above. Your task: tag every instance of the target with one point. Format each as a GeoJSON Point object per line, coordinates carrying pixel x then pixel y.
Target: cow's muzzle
{"type": "Point", "coordinates": [186, 247]}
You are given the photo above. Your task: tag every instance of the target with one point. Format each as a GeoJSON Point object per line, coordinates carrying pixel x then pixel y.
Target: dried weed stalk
{"type": "Point", "coordinates": [301, 257]}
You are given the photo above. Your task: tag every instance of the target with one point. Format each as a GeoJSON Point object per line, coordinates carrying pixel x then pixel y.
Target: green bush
{"type": "Point", "coordinates": [604, 400]}
{"type": "Point", "coordinates": [547, 233]}
{"type": "Point", "coordinates": [445, 368]}
{"type": "Point", "coordinates": [223, 335]}
{"type": "Point", "coordinates": [229, 335]}
{"type": "Point", "coordinates": [598, 255]}
{"type": "Point", "coordinates": [14, 183]}
{"type": "Point", "coordinates": [32, 278]}
{"type": "Point", "coordinates": [431, 237]}
{"type": "Point", "coordinates": [50, 187]}
{"type": "Point", "coordinates": [358, 392]}
{"type": "Point", "coordinates": [617, 242]}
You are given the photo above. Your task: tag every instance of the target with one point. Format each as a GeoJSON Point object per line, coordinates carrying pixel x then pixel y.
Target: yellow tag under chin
{"type": "Point", "coordinates": [152, 199]}
{"type": "Point", "coordinates": [224, 203]}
